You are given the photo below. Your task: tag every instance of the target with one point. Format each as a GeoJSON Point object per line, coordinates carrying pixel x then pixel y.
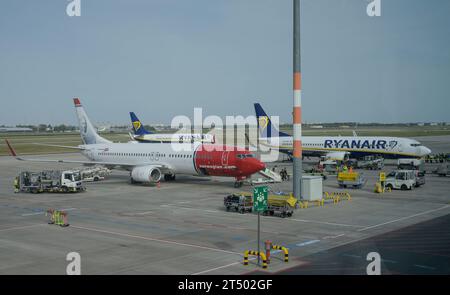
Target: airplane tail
{"type": "Point", "coordinates": [87, 131]}
{"type": "Point", "coordinates": [138, 128]}
{"type": "Point", "coordinates": [265, 124]}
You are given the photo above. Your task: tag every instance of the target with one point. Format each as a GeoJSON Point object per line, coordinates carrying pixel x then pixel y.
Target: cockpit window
{"type": "Point", "coordinates": [243, 156]}
{"type": "Point", "coordinates": [415, 144]}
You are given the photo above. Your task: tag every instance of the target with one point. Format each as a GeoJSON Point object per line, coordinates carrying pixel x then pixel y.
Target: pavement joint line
{"type": "Point", "coordinates": [155, 240]}
{"type": "Point", "coordinates": [41, 212]}
{"type": "Point", "coordinates": [388, 261]}
{"type": "Point", "coordinates": [404, 218]}
{"type": "Point", "coordinates": [22, 227]}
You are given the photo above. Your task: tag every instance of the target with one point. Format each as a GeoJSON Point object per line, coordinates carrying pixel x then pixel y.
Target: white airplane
{"type": "Point", "coordinates": [338, 147]}
{"type": "Point", "coordinates": [143, 135]}
{"type": "Point", "coordinates": [148, 162]}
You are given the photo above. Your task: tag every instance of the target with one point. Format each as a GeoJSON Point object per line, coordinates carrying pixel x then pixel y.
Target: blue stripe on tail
{"type": "Point", "coordinates": [265, 125]}
{"type": "Point", "coordinates": [138, 128]}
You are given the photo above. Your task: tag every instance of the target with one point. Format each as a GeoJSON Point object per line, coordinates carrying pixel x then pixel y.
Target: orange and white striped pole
{"type": "Point", "coordinates": [297, 111]}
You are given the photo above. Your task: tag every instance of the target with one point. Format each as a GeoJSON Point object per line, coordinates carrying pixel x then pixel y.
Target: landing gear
{"type": "Point", "coordinates": [238, 184]}
{"type": "Point", "coordinates": [169, 177]}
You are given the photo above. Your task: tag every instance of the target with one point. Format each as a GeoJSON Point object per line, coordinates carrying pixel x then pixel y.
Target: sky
{"type": "Point", "coordinates": [162, 58]}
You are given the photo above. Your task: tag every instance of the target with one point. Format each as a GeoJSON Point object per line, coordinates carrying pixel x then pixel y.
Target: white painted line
{"type": "Point", "coordinates": [213, 269]}
{"type": "Point", "coordinates": [404, 218]}
{"type": "Point", "coordinates": [188, 208]}
{"type": "Point", "coordinates": [425, 266]}
{"type": "Point", "coordinates": [307, 243]}
{"type": "Point", "coordinates": [22, 227]}
{"type": "Point", "coordinates": [155, 240]}
{"type": "Point", "coordinates": [220, 267]}
{"type": "Point", "coordinates": [323, 222]}
{"type": "Point", "coordinates": [143, 213]}
{"type": "Point", "coordinates": [333, 237]}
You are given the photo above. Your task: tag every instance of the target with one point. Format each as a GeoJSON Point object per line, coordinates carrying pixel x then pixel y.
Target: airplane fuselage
{"type": "Point", "coordinates": [191, 159]}
{"type": "Point", "coordinates": [356, 146]}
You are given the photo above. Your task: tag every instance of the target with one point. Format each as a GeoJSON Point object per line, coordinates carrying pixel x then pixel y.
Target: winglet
{"type": "Point", "coordinates": [11, 150]}
{"type": "Point", "coordinates": [77, 102]}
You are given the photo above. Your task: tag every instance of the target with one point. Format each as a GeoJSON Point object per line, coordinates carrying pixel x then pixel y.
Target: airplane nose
{"type": "Point", "coordinates": [257, 165]}
{"type": "Point", "coordinates": [425, 151]}
{"type": "Point", "coordinates": [260, 166]}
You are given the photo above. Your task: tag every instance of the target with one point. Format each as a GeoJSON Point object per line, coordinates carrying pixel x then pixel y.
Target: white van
{"type": "Point", "coordinates": [401, 179]}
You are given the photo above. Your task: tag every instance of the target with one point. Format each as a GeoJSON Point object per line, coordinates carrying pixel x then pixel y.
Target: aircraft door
{"type": "Point", "coordinates": [225, 158]}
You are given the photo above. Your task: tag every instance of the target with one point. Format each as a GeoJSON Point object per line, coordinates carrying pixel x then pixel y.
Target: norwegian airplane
{"type": "Point", "coordinates": [148, 162]}
{"type": "Point", "coordinates": [338, 147]}
{"type": "Point", "coordinates": [143, 135]}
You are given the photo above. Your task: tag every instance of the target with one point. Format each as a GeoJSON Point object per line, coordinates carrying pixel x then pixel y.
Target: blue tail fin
{"type": "Point", "coordinates": [265, 125]}
{"type": "Point", "coordinates": [138, 128]}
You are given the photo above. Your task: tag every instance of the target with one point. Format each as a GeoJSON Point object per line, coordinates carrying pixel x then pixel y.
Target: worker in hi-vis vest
{"type": "Point", "coordinates": [16, 184]}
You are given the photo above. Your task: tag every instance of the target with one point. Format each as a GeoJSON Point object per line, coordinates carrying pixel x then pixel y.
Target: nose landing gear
{"type": "Point", "coordinates": [239, 182]}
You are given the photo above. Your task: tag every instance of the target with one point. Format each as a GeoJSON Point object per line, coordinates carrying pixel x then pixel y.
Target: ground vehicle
{"type": "Point", "coordinates": [371, 163]}
{"type": "Point", "coordinates": [401, 179]}
{"type": "Point", "coordinates": [239, 202]}
{"type": "Point", "coordinates": [50, 181]}
{"type": "Point", "coordinates": [410, 164]}
{"type": "Point", "coordinates": [329, 166]}
{"type": "Point", "coordinates": [420, 178]}
{"type": "Point", "coordinates": [281, 205]}
{"type": "Point", "coordinates": [351, 179]}
{"type": "Point", "coordinates": [443, 170]}
{"type": "Point", "coordinates": [94, 173]}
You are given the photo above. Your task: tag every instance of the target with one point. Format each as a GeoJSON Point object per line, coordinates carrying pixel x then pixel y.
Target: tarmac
{"type": "Point", "coordinates": [183, 228]}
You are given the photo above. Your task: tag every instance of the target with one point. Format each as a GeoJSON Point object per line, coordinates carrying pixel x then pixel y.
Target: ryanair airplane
{"type": "Point", "coordinates": [143, 135]}
{"type": "Point", "coordinates": [338, 147]}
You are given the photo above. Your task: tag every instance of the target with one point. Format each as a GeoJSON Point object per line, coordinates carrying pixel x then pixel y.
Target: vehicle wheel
{"type": "Point", "coordinates": [228, 208]}
{"type": "Point", "coordinates": [237, 184]}
{"type": "Point", "coordinates": [403, 187]}
{"type": "Point", "coordinates": [96, 179]}
{"type": "Point", "coordinates": [389, 186]}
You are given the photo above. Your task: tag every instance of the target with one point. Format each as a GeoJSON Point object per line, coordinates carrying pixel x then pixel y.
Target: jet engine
{"type": "Point", "coordinates": [148, 174]}
{"type": "Point", "coordinates": [337, 156]}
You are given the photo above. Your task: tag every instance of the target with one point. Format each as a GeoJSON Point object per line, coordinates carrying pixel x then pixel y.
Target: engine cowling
{"type": "Point", "coordinates": [336, 156]}
{"type": "Point", "coordinates": [148, 174]}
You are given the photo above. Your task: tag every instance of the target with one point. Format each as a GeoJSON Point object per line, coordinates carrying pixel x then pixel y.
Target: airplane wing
{"type": "Point", "coordinates": [126, 166]}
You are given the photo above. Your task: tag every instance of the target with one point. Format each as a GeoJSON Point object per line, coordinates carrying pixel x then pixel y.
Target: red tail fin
{"type": "Point", "coordinates": [11, 150]}
{"type": "Point", "coordinates": [77, 102]}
